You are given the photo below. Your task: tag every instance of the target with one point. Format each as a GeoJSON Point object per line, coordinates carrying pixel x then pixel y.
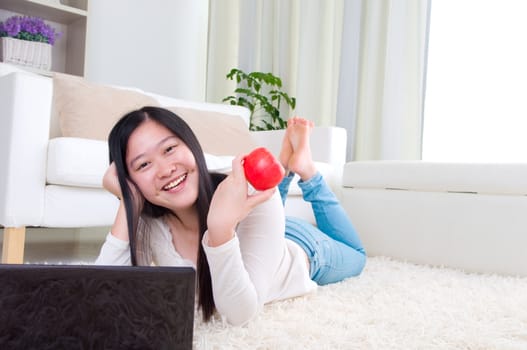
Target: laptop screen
{"type": "Point", "coordinates": [96, 307]}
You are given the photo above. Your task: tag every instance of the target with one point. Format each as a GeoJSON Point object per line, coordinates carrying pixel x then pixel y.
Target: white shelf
{"type": "Point", "coordinates": [31, 69]}
{"type": "Point", "coordinates": [47, 9]}
{"type": "Point", "coordinates": [72, 16]}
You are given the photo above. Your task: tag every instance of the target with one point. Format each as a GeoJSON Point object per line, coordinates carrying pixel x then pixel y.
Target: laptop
{"type": "Point", "coordinates": [96, 307]}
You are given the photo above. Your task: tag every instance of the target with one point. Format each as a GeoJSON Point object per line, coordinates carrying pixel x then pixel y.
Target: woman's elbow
{"type": "Point", "coordinates": [240, 310]}
{"type": "Point", "coordinates": [241, 316]}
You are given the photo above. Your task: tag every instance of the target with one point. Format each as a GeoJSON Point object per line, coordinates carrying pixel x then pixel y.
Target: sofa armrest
{"type": "Point", "coordinates": [328, 144]}
{"type": "Point", "coordinates": [25, 108]}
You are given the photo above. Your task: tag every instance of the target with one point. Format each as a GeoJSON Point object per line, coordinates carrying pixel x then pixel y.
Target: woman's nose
{"type": "Point", "coordinates": [165, 170]}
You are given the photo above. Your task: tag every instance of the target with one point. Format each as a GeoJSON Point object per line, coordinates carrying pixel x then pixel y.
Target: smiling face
{"type": "Point", "coordinates": [162, 166]}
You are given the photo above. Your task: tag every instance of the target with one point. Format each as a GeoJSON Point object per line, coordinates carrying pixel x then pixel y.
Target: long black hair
{"type": "Point", "coordinates": [118, 142]}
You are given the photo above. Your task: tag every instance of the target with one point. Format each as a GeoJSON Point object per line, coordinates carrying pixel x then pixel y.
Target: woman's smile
{"type": "Point", "coordinates": [175, 184]}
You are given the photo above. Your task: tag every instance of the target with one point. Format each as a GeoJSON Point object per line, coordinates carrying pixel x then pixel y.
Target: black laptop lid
{"type": "Point", "coordinates": [96, 307]}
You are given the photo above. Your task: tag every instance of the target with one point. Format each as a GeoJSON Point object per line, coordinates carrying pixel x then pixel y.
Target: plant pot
{"type": "Point", "coordinates": [25, 53]}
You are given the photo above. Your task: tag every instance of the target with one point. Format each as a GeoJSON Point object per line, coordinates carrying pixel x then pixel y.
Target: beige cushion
{"type": "Point", "coordinates": [89, 110]}
{"type": "Point", "coordinates": [218, 133]}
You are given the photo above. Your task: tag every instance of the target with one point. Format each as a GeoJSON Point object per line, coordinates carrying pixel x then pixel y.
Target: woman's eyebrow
{"type": "Point", "coordinates": [157, 145]}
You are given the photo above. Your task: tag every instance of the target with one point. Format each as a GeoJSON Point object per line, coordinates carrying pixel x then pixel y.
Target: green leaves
{"type": "Point", "coordinates": [261, 93]}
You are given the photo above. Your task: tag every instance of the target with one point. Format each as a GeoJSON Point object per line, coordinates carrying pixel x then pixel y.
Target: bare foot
{"type": "Point", "coordinates": [301, 161]}
{"type": "Point", "coordinates": [287, 148]}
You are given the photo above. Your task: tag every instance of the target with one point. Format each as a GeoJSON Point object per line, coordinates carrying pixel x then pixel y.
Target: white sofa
{"type": "Point", "coordinates": [48, 180]}
{"type": "Point", "coordinates": [471, 216]}
{"type": "Point", "coordinates": [467, 216]}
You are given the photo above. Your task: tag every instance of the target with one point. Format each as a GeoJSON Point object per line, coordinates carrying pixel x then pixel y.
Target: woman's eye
{"type": "Point", "coordinates": [170, 149]}
{"type": "Point", "coordinates": [142, 165]}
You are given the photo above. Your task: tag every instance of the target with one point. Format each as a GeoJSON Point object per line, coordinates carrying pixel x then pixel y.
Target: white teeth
{"type": "Point", "coordinates": [175, 182]}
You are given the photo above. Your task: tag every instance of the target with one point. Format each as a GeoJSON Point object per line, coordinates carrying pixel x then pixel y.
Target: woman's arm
{"type": "Point", "coordinates": [243, 269]}
{"type": "Point", "coordinates": [243, 264]}
{"type": "Point", "coordinates": [116, 248]}
{"type": "Point", "coordinates": [114, 252]}
{"type": "Point", "coordinates": [231, 203]}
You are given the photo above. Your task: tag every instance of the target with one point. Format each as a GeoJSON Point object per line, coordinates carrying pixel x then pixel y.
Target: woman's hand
{"type": "Point", "coordinates": [231, 203]}
{"type": "Point", "coordinates": [110, 182]}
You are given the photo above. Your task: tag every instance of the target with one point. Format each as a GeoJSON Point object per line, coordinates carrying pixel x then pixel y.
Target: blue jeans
{"type": "Point", "coordinates": [333, 246]}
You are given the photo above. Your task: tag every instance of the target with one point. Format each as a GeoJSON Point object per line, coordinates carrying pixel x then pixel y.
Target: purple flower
{"type": "Point", "coordinates": [29, 28]}
{"type": "Point", "coordinates": [12, 25]}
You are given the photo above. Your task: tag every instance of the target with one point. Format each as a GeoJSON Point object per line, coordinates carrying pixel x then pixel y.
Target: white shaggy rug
{"type": "Point", "coordinates": [392, 305]}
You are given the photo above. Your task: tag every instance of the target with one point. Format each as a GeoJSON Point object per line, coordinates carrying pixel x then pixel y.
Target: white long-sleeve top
{"type": "Point", "coordinates": [257, 266]}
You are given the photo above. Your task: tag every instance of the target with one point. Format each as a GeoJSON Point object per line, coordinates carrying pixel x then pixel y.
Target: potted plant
{"type": "Point", "coordinates": [262, 94]}
{"type": "Point", "coordinates": [27, 40]}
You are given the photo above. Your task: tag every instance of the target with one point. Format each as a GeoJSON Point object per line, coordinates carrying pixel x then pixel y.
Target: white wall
{"type": "Point", "coordinates": [156, 45]}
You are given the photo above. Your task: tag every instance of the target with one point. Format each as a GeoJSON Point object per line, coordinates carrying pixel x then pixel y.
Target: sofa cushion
{"type": "Point", "coordinates": [82, 162]}
{"type": "Point", "coordinates": [485, 178]}
{"type": "Point", "coordinates": [90, 110]}
{"type": "Point", "coordinates": [218, 133]}
{"type": "Point", "coordinates": [76, 162]}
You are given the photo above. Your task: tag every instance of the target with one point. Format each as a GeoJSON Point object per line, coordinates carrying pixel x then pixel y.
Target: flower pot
{"type": "Point", "coordinates": [25, 53]}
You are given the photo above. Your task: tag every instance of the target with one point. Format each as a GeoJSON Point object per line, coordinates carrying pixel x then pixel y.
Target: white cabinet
{"type": "Point", "coordinates": [67, 16]}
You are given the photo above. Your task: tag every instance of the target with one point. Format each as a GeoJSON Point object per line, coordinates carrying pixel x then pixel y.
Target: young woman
{"type": "Point", "coordinates": [246, 253]}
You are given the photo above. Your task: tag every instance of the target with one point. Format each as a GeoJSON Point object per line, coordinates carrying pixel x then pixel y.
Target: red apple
{"type": "Point", "coordinates": [262, 169]}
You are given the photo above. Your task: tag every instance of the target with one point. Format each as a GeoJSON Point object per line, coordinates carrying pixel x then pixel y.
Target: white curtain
{"type": "Point", "coordinates": [391, 79]}
{"type": "Point", "coordinates": [353, 63]}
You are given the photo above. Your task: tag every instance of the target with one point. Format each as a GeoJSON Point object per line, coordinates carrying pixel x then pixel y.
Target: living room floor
{"type": "Point", "coordinates": [63, 246]}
